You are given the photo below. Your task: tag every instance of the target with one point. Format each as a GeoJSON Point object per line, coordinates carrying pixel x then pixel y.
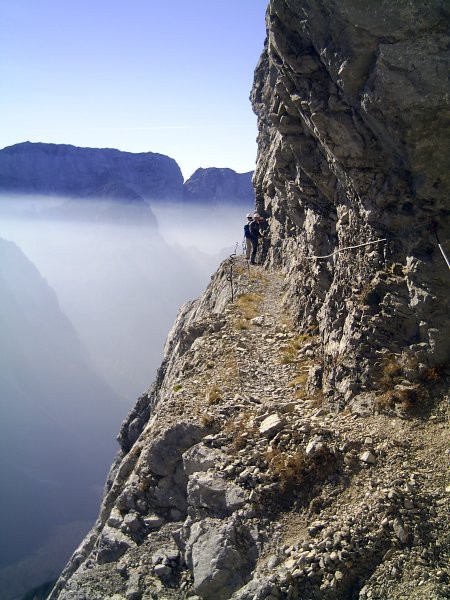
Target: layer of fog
{"type": "Point", "coordinates": [120, 282]}
{"type": "Point", "coordinates": [122, 285]}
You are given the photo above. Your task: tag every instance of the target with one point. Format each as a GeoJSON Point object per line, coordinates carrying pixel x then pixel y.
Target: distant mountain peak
{"type": "Point", "coordinates": [219, 185]}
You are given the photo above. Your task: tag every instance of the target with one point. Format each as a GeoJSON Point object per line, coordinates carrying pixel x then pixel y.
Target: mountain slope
{"type": "Point", "coordinates": [236, 480]}
{"type": "Point", "coordinates": [291, 446]}
{"type": "Point", "coordinates": [55, 412]}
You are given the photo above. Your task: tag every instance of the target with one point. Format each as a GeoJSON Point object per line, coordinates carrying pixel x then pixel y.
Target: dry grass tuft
{"type": "Point", "coordinates": [241, 324]}
{"type": "Point", "coordinates": [316, 401]}
{"type": "Point", "coordinates": [248, 305]}
{"type": "Point", "coordinates": [406, 400]}
{"type": "Point", "coordinates": [300, 379]}
{"type": "Point", "coordinates": [390, 370]}
{"type": "Point", "coordinates": [241, 430]}
{"type": "Point", "coordinates": [214, 395]}
{"type": "Point", "coordinates": [296, 470]}
{"type": "Point", "coordinates": [208, 421]}
{"type": "Point", "coordinates": [290, 469]}
{"type": "Point", "coordinates": [289, 353]}
{"type": "Point", "coordinates": [434, 374]}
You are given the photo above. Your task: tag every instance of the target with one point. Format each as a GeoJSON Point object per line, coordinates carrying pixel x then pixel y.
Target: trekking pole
{"type": "Point", "coordinates": [230, 274]}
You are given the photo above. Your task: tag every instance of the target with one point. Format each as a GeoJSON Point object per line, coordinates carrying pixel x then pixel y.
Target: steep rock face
{"type": "Point", "coordinates": [60, 169]}
{"type": "Point", "coordinates": [215, 185]}
{"type": "Point", "coordinates": [147, 479]}
{"type": "Point", "coordinates": [353, 135]}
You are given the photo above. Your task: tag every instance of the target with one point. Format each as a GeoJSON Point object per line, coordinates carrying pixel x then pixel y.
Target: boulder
{"type": "Point", "coordinates": [200, 458]}
{"type": "Point", "coordinates": [112, 545]}
{"type": "Point", "coordinates": [166, 450]}
{"type": "Point", "coordinates": [271, 426]}
{"type": "Point", "coordinates": [314, 446]}
{"type": "Point", "coordinates": [221, 557]}
{"type": "Point", "coordinates": [368, 458]}
{"type": "Point", "coordinates": [210, 493]}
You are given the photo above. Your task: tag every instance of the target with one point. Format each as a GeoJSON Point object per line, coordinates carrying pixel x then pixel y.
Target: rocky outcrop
{"type": "Point", "coordinates": [219, 186]}
{"type": "Point", "coordinates": [353, 131]}
{"type": "Point", "coordinates": [63, 170]}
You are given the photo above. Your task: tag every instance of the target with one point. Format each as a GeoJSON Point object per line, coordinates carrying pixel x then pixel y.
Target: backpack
{"type": "Point", "coordinates": [253, 229]}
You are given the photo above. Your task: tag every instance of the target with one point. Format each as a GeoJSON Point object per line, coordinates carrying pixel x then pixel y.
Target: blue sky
{"type": "Point", "coordinates": [139, 75]}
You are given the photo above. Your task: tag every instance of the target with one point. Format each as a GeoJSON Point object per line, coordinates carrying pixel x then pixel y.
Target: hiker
{"type": "Point", "coordinates": [255, 233]}
{"type": "Point", "coordinates": [248, 237]}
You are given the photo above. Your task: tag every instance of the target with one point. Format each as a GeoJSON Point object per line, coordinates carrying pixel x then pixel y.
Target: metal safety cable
{"type": "Point", "coordinates": [349, 248]}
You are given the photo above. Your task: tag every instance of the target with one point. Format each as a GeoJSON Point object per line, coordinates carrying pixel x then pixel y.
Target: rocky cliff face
{"type": "Point", "coordinates": [215, 185]}
{"type": "Point", "coordinates": [353, 132]}
{"type": "Point", "coordinates": [290, 445]}
{"type": "Point", "coordinates": [63, 170]}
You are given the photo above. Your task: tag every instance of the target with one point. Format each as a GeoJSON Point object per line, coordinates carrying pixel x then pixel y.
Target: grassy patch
{"type": "Point", "coordinates": [177, 387]}
{"type": "Point", "coordinates": [248, 305]}
{"type": "Point", "coordinates": [289, 353]}
{"type": "Point", "coordinates": [300, 379]}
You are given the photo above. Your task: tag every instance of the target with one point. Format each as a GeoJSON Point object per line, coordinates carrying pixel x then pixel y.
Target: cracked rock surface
{"type": "Point", "coordinates": [352, 106]}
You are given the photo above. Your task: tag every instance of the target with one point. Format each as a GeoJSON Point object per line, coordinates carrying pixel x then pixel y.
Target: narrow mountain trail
{"type": "Point", "coordinates": [260, 339]}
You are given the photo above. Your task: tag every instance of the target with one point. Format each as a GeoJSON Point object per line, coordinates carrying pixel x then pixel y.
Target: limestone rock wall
{"type": "Point", "coordinates": [352, 105]}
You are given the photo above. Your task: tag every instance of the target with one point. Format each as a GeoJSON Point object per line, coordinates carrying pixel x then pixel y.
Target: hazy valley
{"type": "Point", "coordinates": [90, 288]}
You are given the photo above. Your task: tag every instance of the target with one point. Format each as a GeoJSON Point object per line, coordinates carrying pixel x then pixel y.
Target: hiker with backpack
{"type": "Point", "coordinates": [248, 237]}
{"type": "Point", "coordinates": [252, 234]}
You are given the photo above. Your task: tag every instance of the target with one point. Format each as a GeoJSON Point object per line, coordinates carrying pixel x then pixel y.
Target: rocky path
{"type": "Point", "coordinates": [272, 359]}
{"type": "Point", "coordinates": [258, 346]}
{"type": "Point", "coordinates": [360, 472]}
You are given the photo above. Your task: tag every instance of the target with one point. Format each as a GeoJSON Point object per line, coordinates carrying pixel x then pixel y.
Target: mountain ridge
{"type": "Point", "coordinates": [116, 175]}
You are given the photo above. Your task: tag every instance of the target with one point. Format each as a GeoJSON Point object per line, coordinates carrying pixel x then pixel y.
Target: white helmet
{"type": "Point", "coordinates": [249, 216]}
